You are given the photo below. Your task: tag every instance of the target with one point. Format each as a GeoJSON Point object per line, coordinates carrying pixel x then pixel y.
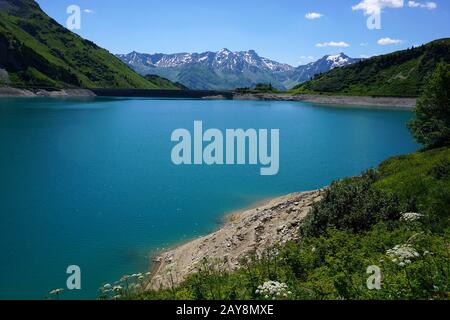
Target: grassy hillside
{"type": "Point", "coordinates": [36, 51]}
{"type": "Point", "coordinates": [400, 73]}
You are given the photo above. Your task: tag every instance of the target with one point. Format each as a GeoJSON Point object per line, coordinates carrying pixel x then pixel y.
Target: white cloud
{"type": "Point", "coordinates": [427, 5]}
{"type": "Point", "coordinates": [88, 11]}
{"type": "Point", "coordinates": [313, 15]}
{"type": "Point", "coordinates": [333, 44]}
{"type": "Point", "coordinates": [388, 41]}
{"type": "Point", "coordinates": [375, 6]}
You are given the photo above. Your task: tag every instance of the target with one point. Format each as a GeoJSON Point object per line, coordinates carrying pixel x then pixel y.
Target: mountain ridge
{"type": "Point", "coordinates": [36, 51]}
{"type": "Point", "coordinates": [400, 73]}
{"type": "Point", "coordinates": [225, 69]}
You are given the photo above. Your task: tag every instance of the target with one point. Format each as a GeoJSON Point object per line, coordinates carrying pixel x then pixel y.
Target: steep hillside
{"type": "Point", "coordinates": [36, 51]}
{"type": "Point", "coordinates": [397, 74]}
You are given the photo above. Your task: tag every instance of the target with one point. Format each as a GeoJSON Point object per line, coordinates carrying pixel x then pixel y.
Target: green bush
{"type": "Point", "coordinates": [431, 127]}
{"type": "Point", "coordinates": [351, 204]}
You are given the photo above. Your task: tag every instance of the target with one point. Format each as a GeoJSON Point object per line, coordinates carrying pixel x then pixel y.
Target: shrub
{"type": "Point", "coordinates": [351, 204]}
{"type": "Point", "coordinates": [431, 127]}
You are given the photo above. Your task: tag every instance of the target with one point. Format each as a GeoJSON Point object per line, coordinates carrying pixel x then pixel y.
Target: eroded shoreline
{"type": "Point", "coordinates": [8, 92]}
{"type": "Point", "coordinates": [360, 101]}
{"type": "Point", "coordinates": [248, 231]}
{"type": "Point", "coordinates": [356, 101]}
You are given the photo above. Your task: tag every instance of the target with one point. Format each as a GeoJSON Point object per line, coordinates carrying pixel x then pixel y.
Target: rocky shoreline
{"type": "Point", "coordinates": [380, 102]}
{"type": "Point", "coordinates": [30, 93]}
{"type": "Point", "coordinates": [247, 232]}
{"type": "Point", "coordinates": [359, 101]}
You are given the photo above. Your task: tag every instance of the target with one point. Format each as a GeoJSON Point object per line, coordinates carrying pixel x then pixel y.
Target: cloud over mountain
{"type": "Point", "coordinates": [340, 44]}
{"type": "Point", "coordinates": [388, 41]}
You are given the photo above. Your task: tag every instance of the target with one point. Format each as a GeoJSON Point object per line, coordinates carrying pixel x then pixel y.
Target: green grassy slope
{"type": "Point", "coordinates": [36, 51]}
{"type": "Point", "coordinates": [397, 74]}
{"type": "Point", "coordinates": [421, 180]}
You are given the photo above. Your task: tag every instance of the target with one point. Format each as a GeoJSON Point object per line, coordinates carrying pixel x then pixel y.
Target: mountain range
{"type": "Point", "coordinates": [36, 51]}
{"type": "Point", "coordinates": [226, 69]}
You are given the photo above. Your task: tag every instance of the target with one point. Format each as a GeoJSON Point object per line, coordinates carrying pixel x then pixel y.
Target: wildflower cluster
{"type": "Point", "coordinates": [126, 286]}
{"type": "Point", "coordinates": [402, 254]}
{"type": "Point", "coordinates": [411, 216]}
{"type": "Point", "coordinates": [273, 290]}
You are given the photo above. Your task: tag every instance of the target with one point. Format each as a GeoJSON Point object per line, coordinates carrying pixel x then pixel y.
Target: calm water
{"type": "Point", "coordinates": [91, 183]}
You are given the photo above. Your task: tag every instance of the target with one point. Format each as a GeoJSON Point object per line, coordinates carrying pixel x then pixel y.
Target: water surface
{"type": "Point", "coordinates": [91, 182]}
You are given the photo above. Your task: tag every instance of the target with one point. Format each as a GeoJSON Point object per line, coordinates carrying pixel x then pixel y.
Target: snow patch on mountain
{"type": "Point", "coordinates": [338, 60]}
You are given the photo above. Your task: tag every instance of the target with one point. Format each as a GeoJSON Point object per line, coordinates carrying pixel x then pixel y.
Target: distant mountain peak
{"type": "Point", "coordinates": [222, 59]}
{"type": "Point", "coordinates": [339, 60]}
{"type": "Point", "coordinates": [226, 69]}
{"type": "Point", "coordinates": [325, 64]}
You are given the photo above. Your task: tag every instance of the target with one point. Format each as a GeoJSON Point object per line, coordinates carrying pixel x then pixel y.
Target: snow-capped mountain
{"type": "Point", "coordinates": [226, 69]}
{"type": "Point", "coordinates": [325, 64]}
{"type": "Point", "coordinates": [223, 59]}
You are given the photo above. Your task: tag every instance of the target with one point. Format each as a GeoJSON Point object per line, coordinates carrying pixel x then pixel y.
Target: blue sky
{"type": "Point", "coordinates": [276, 29]}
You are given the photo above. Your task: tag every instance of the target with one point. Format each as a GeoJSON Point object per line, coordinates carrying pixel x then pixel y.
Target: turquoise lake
{"type": "Point", "coordinates": [90, 182]}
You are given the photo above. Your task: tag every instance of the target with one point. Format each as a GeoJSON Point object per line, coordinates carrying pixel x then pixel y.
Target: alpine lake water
{"type": "Point", "coordinates": [90, 182]}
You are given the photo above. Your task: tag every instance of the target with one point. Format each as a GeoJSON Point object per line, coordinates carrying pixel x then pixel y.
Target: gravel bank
{"type": "Point", "coordinates": [273, 222]}
{"type": "Point", "coordinates": [381, 102]}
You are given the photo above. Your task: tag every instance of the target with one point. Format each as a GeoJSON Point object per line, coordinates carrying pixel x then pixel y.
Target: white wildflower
{"type": "Point", "coordinates": [411, 216]}
{"type": "Point", "coordinates": [273, 289]}
{"type": "Point", "coordinates": [403, 254]}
